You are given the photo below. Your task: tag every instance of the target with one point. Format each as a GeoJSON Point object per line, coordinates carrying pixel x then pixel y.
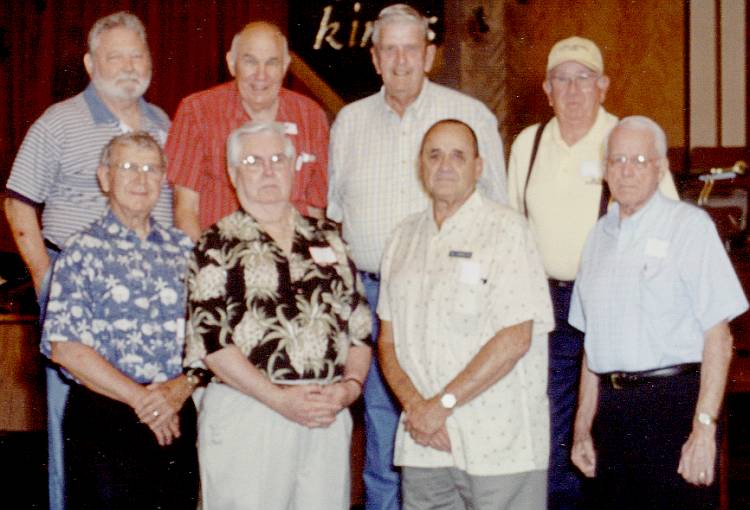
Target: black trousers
{"type": "Point", "coordinates": [113, 461]}
{"type": "Point", "coordinates": [638, 434]}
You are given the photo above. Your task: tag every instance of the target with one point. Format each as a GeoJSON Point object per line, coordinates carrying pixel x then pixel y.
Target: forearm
{"type": "Point", "coordinates": [357, 363]}
{"type": "Point", "coordinates": [186, 207]}
{"type": "Point", "coordinates": [717, 355]}
{"type": "Point", "coordinates": [493, 362]}
{"type": "Point", "coordinates": [96, 373]}
{"type": "Point", "coordinates": [399, 382]}
{"type": "Point", "coordinates": [234, 369]}
{"type": "Point", "coordinates": [588, 397]}
{"type": "Point", "coordinates": [27, 234]}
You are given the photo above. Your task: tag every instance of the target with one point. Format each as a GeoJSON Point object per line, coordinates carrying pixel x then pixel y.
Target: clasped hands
{"type": "Point", "coordinates": [315, 405]}
{"type": "Point", "coordinates": [424, 420]}
{"type": "Point", "coordinates": [158, 407]}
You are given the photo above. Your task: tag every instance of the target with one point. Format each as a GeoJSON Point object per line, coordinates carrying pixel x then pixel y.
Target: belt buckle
{"type": "Point", "coordinates": [613, 380]}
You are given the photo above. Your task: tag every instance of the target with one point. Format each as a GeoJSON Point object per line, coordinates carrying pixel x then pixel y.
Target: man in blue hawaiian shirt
{"type": "Point", "coordinates": [115, 323]}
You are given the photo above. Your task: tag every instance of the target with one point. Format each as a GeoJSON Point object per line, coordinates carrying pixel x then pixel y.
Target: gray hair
{"type": "Point", "coordinates": [254, 127]}
{"type": "Point", "coordinates": [401, 13]}
{"type": "Point", "coordinates": [254, 24]}
{"type": "Point", "coordinates": [122, 19]}
{"type": "Point", "coordinates": [640, 122]}
{"type": "Point", "coordinates": [139, 139]}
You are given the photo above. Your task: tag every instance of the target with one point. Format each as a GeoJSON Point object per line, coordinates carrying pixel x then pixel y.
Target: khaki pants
{"type": "Point", "coordinates": [253, 457]}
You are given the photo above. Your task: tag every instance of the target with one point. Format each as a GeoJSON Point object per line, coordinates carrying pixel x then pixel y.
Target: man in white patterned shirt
{"type": "Point", "coordinates": [373, 185]}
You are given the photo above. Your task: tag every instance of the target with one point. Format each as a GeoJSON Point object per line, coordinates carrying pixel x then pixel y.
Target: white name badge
{"type": "Point", "coordinates": [290, 128]}
{"type": "Point", "coordinates": [304, 157]}
{"type": "Point", "coordinates": [656, 248]}
{"type": "Point", "coordinates": [323, 255]}
{"type": "Point", "coordinates": [469, 272]}
{"type": "Point", "coordinates": [591, 171]}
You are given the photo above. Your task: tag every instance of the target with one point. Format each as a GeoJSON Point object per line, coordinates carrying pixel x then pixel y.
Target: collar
{"type": "Point", "coordinates": [416, 105]}
{"type": "Point", "coordinates": [102, 115]}
{"type": "Point", "coordinates": [613, 224]}
{"type": "Point", "coordinates": [592, 135]}
{"type": "Point", "coordinates": [464, 215]}
{"type": "Point", "coordinates": [115, 228]}
{"type": "Point", "coordinates": [240, 114]}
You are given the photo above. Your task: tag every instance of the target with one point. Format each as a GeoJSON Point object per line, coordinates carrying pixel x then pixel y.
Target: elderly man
{"type": "Point", "coordinates": [554, 178]}
{"type": "Point", "coordinates": [258, 60]}
{"type": "Point", "coordinates": [115, 322]}
{"type": "Point", "coordinates": [374, 185]}
{"type": "Point", "coordinates": [654, 294]}
{"type": "Point", "coordinates": [278, 313]}
{"type": "Point", "coordinates": [56, 167]}
{"type": "Point", "coordinates": [464, 312]}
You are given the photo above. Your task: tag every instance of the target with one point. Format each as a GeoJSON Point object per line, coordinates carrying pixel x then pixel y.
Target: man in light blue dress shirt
{"type": "Point", "coordinates": [654, 295]}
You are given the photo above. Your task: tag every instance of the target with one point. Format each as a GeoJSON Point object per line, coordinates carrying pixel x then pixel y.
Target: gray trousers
{"type": "Point", "coordinates": [454, 489]}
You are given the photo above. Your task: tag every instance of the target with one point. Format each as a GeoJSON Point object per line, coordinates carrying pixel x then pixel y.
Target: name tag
{"type": "Point", "coordinates": [323, 255]}
{"type": "Point", "coordinates": [469, 272]}
{"type": "Point", "coordinates": [180, 331]}
{"type": "Point", "coordinates": [656, 248]}
{"type": "Point", "coordinates": [460, 254]}
{"type": "Point", "coordinates": [304, 157]}
{"type": "Point", "coordinates": [591, 171]}
{"type": "Point", "coordinates": [290, 128]}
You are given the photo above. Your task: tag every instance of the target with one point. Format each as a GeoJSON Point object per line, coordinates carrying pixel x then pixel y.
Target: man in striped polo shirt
{"type": "Point", "coordinates": [56, 168]}
{"type": "Point", "coordinates": [258, 60]}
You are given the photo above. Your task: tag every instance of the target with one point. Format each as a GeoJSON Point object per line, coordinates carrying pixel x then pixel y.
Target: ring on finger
{"type": "Point", "coordinates": [156, 414]}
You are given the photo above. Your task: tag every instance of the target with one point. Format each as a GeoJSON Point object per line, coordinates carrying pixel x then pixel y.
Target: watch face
{"type": "Point", "coordinates": [448, 400]}
{"type": "Point", "coordinates": [705, 418]}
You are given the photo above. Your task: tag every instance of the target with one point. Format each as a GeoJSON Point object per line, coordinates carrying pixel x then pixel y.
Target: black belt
{"type": "Point", "coordinates": [372, 276]}
{"type": "Point", "coordinates": [52, 246]}
{"type": "Point", "coordinates": [565, 284]}
{"type": "Point", "coordinates": [620, 380]}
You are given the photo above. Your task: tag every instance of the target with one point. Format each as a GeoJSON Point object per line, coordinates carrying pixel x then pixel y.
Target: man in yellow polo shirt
{"type": "Point", "coordinates": [555, 179]}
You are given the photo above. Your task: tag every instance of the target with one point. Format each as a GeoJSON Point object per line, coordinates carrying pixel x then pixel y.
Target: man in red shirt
{"type": "Point", "coordinates": [196, 146]}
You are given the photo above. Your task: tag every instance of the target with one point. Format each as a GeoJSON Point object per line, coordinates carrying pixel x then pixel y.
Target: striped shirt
{"type": "Point", "coordinates": [196, 148]}
{"type": "Point", "coordinates": [373, 178]}
{"type": "Point", "coordinates": [56, 164]}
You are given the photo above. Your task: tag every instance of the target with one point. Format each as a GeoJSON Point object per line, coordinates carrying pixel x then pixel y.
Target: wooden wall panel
{"type": "Point", "coordinates": [643, 44]}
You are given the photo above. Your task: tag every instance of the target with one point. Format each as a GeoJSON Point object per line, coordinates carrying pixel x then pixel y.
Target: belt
{"type": "Point", "coordinates": [371, 276]}
{"type": "Point", "coordinates": [621, 380]}
{"type": "Point", "coordinates": [565, 284]}
{"type": "Point", "coordinates": [52, 246]}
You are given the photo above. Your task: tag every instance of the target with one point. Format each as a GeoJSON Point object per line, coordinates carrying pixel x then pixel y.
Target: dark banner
{"type": "Point", "coordinates": [333, 37]}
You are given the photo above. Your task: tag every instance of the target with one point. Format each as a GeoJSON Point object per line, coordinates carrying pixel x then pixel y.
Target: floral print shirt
{"type": "Point", "coordinates": [122, 296]}
{"type": "Point", "coordinates": [293, 317]}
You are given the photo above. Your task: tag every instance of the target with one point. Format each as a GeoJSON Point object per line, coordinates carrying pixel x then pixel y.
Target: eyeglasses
{"type": "Point", "coordinates": [585, 81]}
{"type": "Point", "coordinates": [132, 169]}
{"type": "Point", "coordinates": [277, 162]}
{"type": "Point", "coordinates": [639, 161]}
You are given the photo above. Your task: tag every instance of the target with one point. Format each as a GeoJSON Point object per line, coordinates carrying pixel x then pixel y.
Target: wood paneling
{"type": "Point", "coordinates": [643, 46]}
{"type": "Point", "coordinates": [22, 397]}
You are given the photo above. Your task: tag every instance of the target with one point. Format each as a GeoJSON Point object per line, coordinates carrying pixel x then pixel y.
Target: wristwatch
{"type": "Point", "coordinates": [448, 400]}
{"type": "Point", "coordinates": [705, 418]}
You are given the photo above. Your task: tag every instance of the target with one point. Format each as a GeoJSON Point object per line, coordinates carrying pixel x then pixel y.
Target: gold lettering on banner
{"type": "Point", "coordinates": [328, 29]}
{"type": "Point", "coordinates": [324, 28]}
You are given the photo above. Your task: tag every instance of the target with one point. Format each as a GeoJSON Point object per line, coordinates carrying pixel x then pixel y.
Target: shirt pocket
{"type": "Point", "coordinates": [466, 296]}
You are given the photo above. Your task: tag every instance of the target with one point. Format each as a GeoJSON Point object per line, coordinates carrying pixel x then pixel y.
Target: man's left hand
{"type": "Point", "coordinates": [699, 456]}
